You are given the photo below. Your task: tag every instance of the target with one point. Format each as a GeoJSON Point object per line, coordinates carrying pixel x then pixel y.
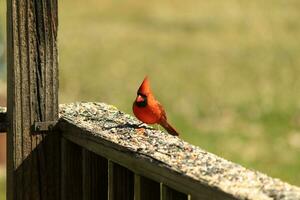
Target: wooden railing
{"type": "Point", "coordinates": [135, 162]}
{"type": "Point", "coordinates": [106, 154]}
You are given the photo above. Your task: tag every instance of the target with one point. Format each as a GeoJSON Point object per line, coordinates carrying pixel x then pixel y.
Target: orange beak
{"type": "Point", "coordinates": [139, 98]}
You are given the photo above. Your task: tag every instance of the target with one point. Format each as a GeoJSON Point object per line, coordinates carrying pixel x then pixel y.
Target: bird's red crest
{"type": "Point", "coordinates": [145, 86]}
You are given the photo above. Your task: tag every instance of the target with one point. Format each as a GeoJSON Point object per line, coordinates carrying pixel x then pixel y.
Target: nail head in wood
{"type": "Point", "coordinates": [43, 126]}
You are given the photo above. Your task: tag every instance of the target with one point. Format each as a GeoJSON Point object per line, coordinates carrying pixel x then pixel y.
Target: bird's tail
{"type": "Point", "coordinates": [169, 128]}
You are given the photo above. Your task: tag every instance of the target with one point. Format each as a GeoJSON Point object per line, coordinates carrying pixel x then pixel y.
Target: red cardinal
{"type": "Point", "coordinates": [150, 111]}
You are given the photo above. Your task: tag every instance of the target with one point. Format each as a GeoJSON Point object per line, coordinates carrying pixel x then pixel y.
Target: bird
{"type": "Point", "coordinates": [148, 110]}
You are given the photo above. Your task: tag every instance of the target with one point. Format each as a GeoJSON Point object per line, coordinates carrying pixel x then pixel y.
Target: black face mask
{"type": "Point", "coordinates": [142, 103]}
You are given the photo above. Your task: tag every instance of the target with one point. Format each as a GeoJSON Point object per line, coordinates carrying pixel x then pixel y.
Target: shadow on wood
{"type": "Point", "coordinates": [42, 182]}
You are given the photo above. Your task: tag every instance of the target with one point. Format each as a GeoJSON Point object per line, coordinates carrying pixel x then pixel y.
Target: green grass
{"type": "Point", "coordinates": [226, 71]}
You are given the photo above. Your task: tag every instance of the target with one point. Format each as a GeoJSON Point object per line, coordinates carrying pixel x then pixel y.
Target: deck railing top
{"type": "Point", "coordinates": [149, 149]}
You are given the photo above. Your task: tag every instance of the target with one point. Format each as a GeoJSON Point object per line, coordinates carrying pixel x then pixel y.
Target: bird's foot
{"type": "Point", "coordinates": [143, 125]}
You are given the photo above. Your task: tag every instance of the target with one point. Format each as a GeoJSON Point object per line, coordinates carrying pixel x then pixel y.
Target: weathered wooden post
{"type": "Point", "coordinates": [33, 165]}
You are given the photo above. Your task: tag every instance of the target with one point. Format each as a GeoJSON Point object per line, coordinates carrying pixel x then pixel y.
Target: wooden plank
{"type": "Point", "coordinates": [145, 188]}
{"type": "Point", "coordinates": [71, 174]}
{"type": "Point", "coordinates": [168, 193]}
{"type": "Point", "coordinates": [193, 198]}
{"type": "Point", "coordinates": [121, 182]}
{"type": "Point", "coordinates": [110, 180]}
{"type": "Point", "coordinates": [138, 164]}
{"type": "Point", "coordinates": [95, 176]}
{"type": "Point", "coordinates": [137, 187]}
{"type": "Point", "coordinates": [33, 167]}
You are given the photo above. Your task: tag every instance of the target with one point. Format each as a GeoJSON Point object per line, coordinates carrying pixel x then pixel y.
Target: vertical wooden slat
{"type": "Point", "coordinates": [120, 182]}
{"type": "Point", "coordinates": [71, 171]}
{"type": "Point", "coordinates": [95, 176]}
{"type": "Point", "coordinates": [33, 166]}
{"type": "Point", "coordinates": [110, 171]}
{"type": "Point", "coordinates": [168, 193]}
{"type": "Point", "coordinates": [145, 188]}
{"type": "Point", "coordinates": [137, 187]}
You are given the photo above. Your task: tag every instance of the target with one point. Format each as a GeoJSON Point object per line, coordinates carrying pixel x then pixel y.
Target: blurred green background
{"type": "Point", "coordinates": [227, 72]}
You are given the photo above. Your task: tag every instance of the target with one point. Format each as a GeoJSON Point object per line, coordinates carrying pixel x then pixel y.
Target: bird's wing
{"type": "Point", "coordinates": [163, 112]}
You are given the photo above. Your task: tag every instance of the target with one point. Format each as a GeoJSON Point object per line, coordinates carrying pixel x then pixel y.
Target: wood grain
{"type": "Point", "coordinates": [168, 193]}
{"type": "Point", "coordinates": [121, 182]}
{"type": "Point", "coordinates": [33, 166]}
{"type": "Point", "coordinates": [145, 188]}
{"type": "Point", "coordinates": [95, 176]}
{"type": "Point", "coordinates": [71, 174]}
